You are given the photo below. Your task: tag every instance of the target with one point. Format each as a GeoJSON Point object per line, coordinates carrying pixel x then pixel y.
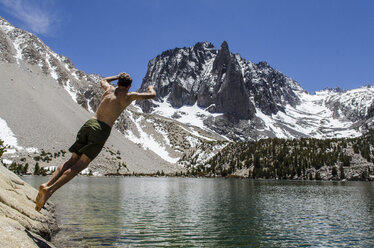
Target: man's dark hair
{"type": "Point", "coordinates": [124, 80]}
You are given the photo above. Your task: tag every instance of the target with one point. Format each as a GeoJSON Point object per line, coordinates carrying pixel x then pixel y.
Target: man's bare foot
{"type": "Point", "coordinates": [42, 197]}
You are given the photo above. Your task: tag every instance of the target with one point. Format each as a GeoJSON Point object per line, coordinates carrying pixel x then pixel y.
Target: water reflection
{"type": "Point", "coordinates": [132, 211]}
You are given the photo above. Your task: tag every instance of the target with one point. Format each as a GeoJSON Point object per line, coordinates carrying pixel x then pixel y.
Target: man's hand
{"type": "Point", "coordinates": [141, 96]}
{"type": "Point", "coordinates": [121, 74]}
{"type": "Point", "coordinates": [151, 90]}
{"type": "Point", "coordinates": [105, 81]}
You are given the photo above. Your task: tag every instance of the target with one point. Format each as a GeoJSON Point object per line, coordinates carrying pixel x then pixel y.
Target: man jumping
{"type": "Point", "coordinates": [94, 133]}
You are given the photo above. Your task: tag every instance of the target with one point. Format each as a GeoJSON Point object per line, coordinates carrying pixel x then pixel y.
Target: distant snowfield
{"type": "Point", "coordinates": [310, 117]}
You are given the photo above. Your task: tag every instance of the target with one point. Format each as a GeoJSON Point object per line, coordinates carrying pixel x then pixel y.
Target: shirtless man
{"type": "Point", "coordinates": [94, 133]}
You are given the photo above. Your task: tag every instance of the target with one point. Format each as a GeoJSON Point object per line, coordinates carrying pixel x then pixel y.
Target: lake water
{"type": "Point", "coordinates": [197, 212]}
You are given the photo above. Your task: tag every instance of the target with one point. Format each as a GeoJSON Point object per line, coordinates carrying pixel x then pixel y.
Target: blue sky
{"type": "Point", "coordinates": [319, 43]}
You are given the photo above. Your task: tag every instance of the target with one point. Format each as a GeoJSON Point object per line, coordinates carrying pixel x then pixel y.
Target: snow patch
{"type": "Point", "coordinates": [50, 168]}
{"type": "Point", "coordinates": [53, 70]}
{"type": "Point", "coordinates": [7, 161]}
{"type": "Point", "coordinates": [193, 141]}
{"type": "Point", "coordinates": [8, 136]}
{"type": "Point", "coordinates": [270, 125]}
{"type": "Point", "coordinates": [147, 141]}
{"type": "Point", "coordinates": [195, 133]}
{"type": "Point", "coordinates": [32, 150]}
{"type": "Point", "coordinates": [193, 115]}
{"type": "Point", "coordinates": [86, 171]}
{"type": "Point", "coordinates": [72, 92]}
{"type": "Point", "coordinates": [163, 133]}
{"type": "Point", "coordinates": [17, 46]}
{"type": "Point", "coordinates": [10, 139]}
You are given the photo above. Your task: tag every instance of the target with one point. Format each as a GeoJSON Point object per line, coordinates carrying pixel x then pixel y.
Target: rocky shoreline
{"type": "Point", "coordinates": [20, 224]}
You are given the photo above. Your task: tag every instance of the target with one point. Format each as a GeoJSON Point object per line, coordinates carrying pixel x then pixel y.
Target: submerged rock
{"type": "Point", "coordinates": [20, 224]}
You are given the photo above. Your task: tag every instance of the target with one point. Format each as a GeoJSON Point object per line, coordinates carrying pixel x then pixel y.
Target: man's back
{"type": "Point", "coordinates": [115, 100]}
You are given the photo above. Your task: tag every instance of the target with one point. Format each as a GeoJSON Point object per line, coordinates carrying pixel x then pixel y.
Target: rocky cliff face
{"type": "Point", "coordinates": [225, 88]}
{"type": "Point", "coordinates": [20, 224]}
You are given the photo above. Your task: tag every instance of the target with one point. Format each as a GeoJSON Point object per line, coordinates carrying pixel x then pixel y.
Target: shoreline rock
{"type": "Point", "coordinates": [20, 224]}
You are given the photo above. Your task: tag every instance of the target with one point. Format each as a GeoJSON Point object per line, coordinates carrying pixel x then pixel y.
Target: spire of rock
{"type": "Point", "coordinates": [224, 46]}
{"type": "Point", "coordinates": [222, 58]}
{"type": "Point", "coordinates": [228, 95]}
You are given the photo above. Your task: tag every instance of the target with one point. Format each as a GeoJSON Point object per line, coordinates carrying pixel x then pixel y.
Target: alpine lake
{"type": "Point", "coordinates": [211, 212]}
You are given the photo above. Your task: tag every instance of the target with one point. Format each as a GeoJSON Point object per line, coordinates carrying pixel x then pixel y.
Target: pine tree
{"type": "Point", "coordinates": [36, 169]}
{"type": "Point", "coordinates": [334, 171]}
{"type": "Point", "coordinates": [318, 176]}
{"type": "Point", "coordinates": [341, 169]}
{"type": "Point", "coordinates": [2, 148]}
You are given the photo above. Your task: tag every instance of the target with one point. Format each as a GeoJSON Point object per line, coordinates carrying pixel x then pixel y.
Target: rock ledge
{"type": "Point", "coordinates": [20, 224]}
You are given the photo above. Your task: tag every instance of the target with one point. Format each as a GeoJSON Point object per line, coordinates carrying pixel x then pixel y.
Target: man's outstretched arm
{"type": "Point", "coordinates": [151, 93]}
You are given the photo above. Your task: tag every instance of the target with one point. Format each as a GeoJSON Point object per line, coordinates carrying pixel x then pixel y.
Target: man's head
{"type": "Point", "coordinates": [124, 80]}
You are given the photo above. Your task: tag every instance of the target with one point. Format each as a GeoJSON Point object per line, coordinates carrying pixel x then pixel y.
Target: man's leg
{"type": "Point", "coordinates": [62, 168]}
{"type": "Point", "coordinates": [46, 191]}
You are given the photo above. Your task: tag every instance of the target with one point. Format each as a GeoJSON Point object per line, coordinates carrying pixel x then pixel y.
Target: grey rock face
{"type": "Point", "coordinates": [176, 74]}
{"type": "Point", "coordinates": [20, 223]}
{"type": "Point", "coordinates": [227, 91]}
{"type": "Point", "coordinates": [5, 49]}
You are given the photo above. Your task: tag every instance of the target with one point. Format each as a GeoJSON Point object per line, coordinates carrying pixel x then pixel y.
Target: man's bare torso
{"type": "Point", "coordinates": [113, 102]}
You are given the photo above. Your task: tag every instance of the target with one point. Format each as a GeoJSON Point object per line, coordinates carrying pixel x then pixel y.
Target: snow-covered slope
{"type": "Point", "coordinates": [310, 118]}
{"type": "Point", "coordinates": [168, 138]}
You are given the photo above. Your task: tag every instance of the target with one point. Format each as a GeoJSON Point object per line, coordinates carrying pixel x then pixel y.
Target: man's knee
{"type": "Point", "coordinates": [74, 157]}
{"type": "Point", "coordinates": [85, 159]}
{"type": "Point", "coordinates": [81, 164]}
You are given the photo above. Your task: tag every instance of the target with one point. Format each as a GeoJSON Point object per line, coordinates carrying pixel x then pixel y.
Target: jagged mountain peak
{"type": "Point", "coordinates": [263, 64]}
{"type": "Point", "coordinates": [336, 90]}
{"type": "Point", "coordinates": [225, 46]}
{"type": "Point", "coordinates": [203, 45]}
{"type": "Point", "coordinates": [199, 46]}
{"type": "Point", "coordinates": [4, 22]}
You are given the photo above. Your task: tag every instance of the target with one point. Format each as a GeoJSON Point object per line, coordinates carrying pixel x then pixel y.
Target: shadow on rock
{"type": "Point", "coordinates": [38, 240]}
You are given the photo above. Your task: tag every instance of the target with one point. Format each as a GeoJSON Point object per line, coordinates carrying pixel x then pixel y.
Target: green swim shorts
{"type": "Point", "coordinates": [91, 138]}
